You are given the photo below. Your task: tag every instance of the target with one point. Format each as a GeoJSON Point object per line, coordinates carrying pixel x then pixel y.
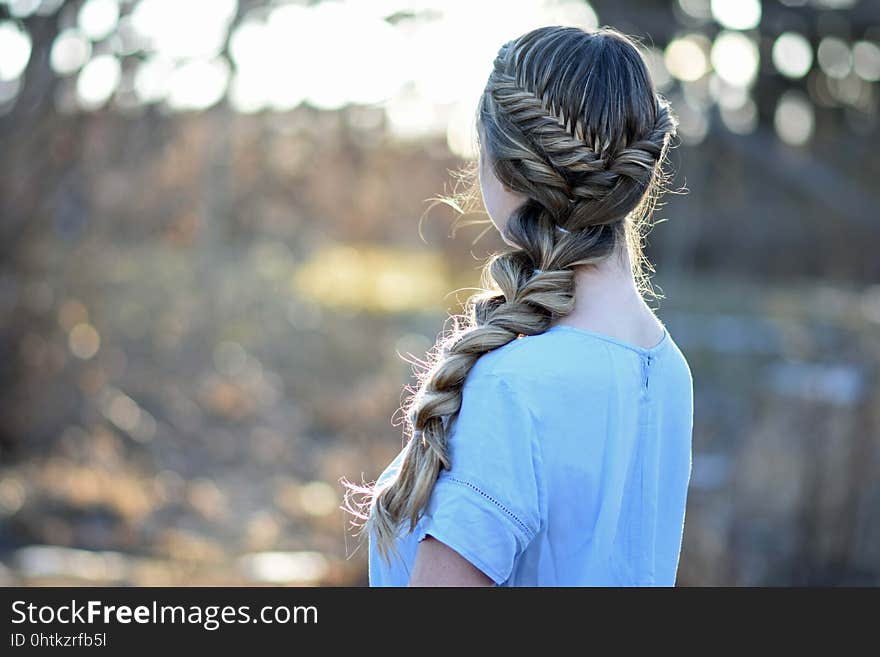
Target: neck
{"type": "Point", "coordinates": [606, 290]}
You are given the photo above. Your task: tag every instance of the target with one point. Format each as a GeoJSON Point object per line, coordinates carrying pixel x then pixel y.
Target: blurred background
{"type": "Point", "coordinates": [215, 257]}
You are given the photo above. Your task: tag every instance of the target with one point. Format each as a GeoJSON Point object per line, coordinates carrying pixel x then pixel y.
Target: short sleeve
{"type": "Point", "coordinates": [487, 506]}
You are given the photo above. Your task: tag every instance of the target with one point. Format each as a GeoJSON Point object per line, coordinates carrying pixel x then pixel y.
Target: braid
{"type": "Point", "coordinates": [520, 304]}
{"type": "Point", "coordinates": [642, 156]}
{"type": "Point", "coordinates": [563, 161]}
{"type": "Point", "coordinates": [584, 170]}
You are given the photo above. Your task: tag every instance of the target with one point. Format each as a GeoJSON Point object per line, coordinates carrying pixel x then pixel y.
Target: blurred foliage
{"type": "Point", "coordinates": [206, 316]}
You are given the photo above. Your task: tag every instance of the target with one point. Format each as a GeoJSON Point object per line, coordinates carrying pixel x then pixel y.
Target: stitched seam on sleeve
{"type": "Point", "coordinates": [525, 529]}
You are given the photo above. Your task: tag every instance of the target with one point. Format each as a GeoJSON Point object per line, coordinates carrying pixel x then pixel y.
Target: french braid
{"type": "Point", "coordinates": [571, 120]}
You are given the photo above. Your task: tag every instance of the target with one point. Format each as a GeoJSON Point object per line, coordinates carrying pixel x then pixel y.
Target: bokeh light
{"type": "Point", "coordinates": [98, 18]}
{"type": "Point", "coordinates": [792, 55]}
{"type": "Point", "coordinates": [22, 8]}
{"type": "Point", "coordinates": [84, 341]}
{"type": "Point", "coordinates": [181, 30]}
{"type": "Point", "coordinates": [152, 78]}
{"type": "Point", "coordinates": [794, 118]}
{"type": "Point", "coordinates": [834, 57]}
{"type": "Point", "coordinates": [737, 14]}
{"type": "Point", "coordinates": [699, 9]}
{"type": "Point", "coordinates": [15, 50]}
{"type": "Point", "coordinates": [281, 58]}
{"type": "Point", "coordinates": [198, 84]}
{"type": "Point", "coordinates": [372, 278]}
{"type": "Point", "coordinates": [70, 51]}
{"type": "Point", "coordinates": [98, 81]}
{"type": "Point", "coordinates": [686, 58]}
{"type": "Point", "coordinates": [866, 60]}
{"type": "Point", "coordinates": [735, 58]}
{"type": "Point", "coordinates": [741, 120]}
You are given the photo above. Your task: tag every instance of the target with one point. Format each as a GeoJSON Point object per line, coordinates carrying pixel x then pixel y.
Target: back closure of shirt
{"type": "Point", "coordinates": [646, 369]}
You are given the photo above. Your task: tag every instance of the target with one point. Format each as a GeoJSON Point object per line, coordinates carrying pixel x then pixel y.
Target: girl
{"type": "Point", "coordinates": [551, 433]}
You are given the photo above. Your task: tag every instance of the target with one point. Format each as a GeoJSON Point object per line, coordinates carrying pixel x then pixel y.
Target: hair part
{"type": "Point", "coordinates": [570, 119]}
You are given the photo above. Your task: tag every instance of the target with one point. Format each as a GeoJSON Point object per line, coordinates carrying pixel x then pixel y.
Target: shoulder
{"type": "Point", "coordinates": [546, 361]}
{"type": "Point", "coordinates": [684, 377]}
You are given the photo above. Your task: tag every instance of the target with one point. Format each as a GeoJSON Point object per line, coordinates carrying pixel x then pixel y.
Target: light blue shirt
{"type": "Point", "coordinates": [571, 459]}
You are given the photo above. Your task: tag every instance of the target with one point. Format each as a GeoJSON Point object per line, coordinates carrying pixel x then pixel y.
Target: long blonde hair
{"type": "Point", "coordinates": [572, 120]}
